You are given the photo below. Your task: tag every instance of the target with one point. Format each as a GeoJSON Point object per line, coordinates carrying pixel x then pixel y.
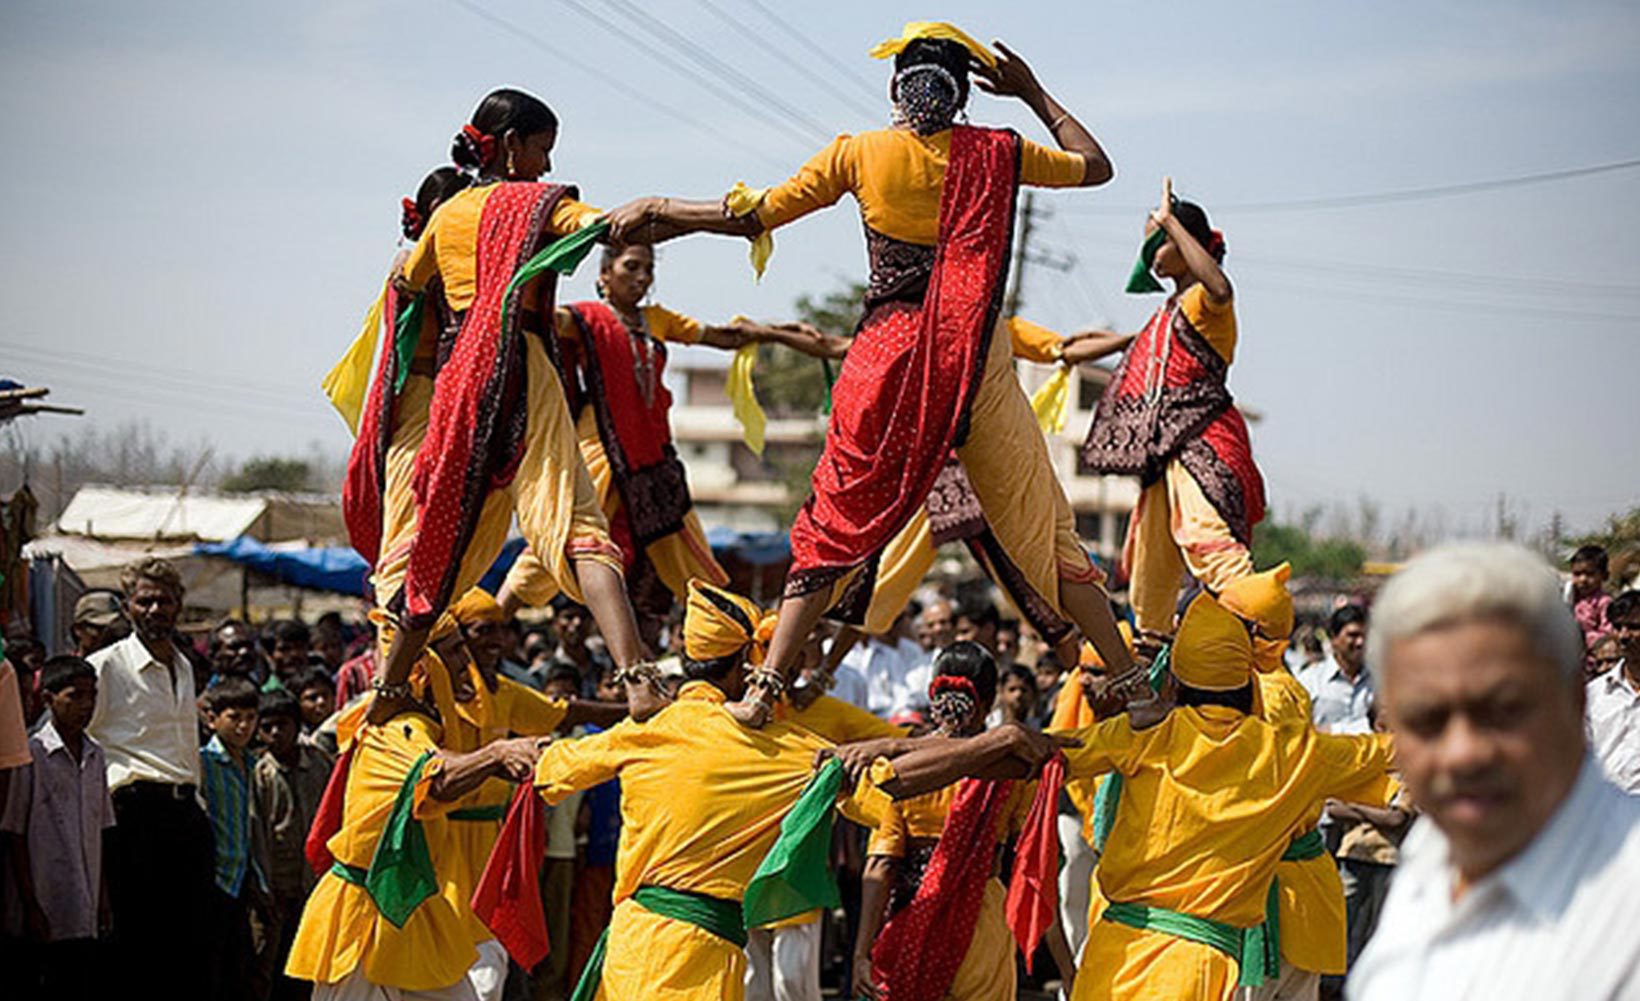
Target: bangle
{"type": "Point", "coordinates": [769, 681]}
{"type": "Point", "coordinates": [1061, 120]}
{"type": "Point", "coordinates": [392, 691]}
{"type": "Point", "coordinates": [638, 673]}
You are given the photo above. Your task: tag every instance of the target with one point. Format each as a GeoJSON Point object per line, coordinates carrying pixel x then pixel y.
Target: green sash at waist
{"type": "Point", "coordinates": [401, 873]}
{"type": "Point", "coordinates": [1253, 949]}
{"type": "Point", "coordinates": [496, 811]}
{"type": "Point", "coordinates": [720, 917]}
{"type": "Point", "coordinates": [349, 873]}
{"type": "Point", "coordinates": [1306, 846]}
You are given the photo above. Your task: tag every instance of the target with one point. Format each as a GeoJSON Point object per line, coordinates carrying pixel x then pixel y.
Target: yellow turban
{"type": "Point", "coordinates": [718, 623]}
{"type": "Point", "coordinates": [1212, 650]}
{"type": "Point", "coordinates": [933, 30]}
{"type": "Point", "coordinates": [1263, 600]}
{"type": "Point", "coordinates": [477, 606]}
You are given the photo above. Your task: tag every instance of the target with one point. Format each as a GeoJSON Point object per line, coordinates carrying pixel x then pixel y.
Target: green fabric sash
{"type": "Point", "coordinates": [406, 337]}
{"type": "Point", "coordinates": [1109, 796]}
{"type": "Point", "coordinates": [1141, 280]}
{"type": "Point", "coordinates": [349, 873]}
{"type": "Point", "coordinates": [796, 877]}
{"type": "Point", "coordinates": [1306, 846]}
{"type": "Point", "coordinates": [563, 256]}
{"type": "Point", "coordinates": [1251, 948]}
{"type": "Point", "coordinates": [712, 914]}
{"type": "Point", "coordinates": [401, 873]}
{"type": "Point", "coordinates": [496, 811]}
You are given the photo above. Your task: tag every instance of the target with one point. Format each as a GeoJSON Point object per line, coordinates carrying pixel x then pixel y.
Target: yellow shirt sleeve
{"type": "Point", "coordinates": [572, 765]}
{"type": "Point", "coordinates": [1108, 746]}
{"type": "Point", "coordinates": [891, 834]}
{"type": "Point", "coordinates": [1034, 342]}
{"type": "Point", "coordinates": [1355, 766]}
{"type": "Point", "coordinates": [1214, 321]}
{"type": "Point", "coordinates": [570, 215]}
{"type": "Point", "coordinates": [666, 325]}
{"type": "Point", "coordinates": [827, 177]}
{"type": "Point", "coordinates": [422, 264]}
{"type": "Point", "coordinates": [1042, 167]}
{"type": "Point", "coordinates": [528, 712]}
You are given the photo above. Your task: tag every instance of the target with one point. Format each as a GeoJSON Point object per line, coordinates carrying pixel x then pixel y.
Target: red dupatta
{"type": "Point", "coordinates": [476, 422]}
{"type": "Point", "coordinates": [901, 403]}
{"type": "Point", "coordinates": [367, 462]}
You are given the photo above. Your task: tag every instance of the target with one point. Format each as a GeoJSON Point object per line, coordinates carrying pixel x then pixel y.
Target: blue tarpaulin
{"type": "Point", "coordinates": [760, 549]}
{"type": "Point", "coordinates": [329, 568]}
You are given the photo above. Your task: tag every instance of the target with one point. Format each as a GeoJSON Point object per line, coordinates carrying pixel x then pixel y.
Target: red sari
{"type": "Point", "coordinates": [901, 403]}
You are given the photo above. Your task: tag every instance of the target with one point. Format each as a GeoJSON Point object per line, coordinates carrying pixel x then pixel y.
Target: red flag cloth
{"type": "Point", "coordinates": [1033, 891]}
{"type": "Point", "coordinates": [327, 820]}
{"type": "Point", "coordinates": [508, 896]}
{"type": "Point", "coordinates": [476, 421]}
{"type": "Point", "coordinates": [917, 955]}
{"type": "Point", "coordinates": [901, 403]}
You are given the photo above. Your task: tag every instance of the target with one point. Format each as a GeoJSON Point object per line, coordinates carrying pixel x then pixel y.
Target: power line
{"type": "Point", "coordinates": [665, 58]}
{"type": "Point", "coordinates": [874, 91]}
{"type": "Point", "coordinates": [1385, 197]}
{"type": "Point", "coordinates": [644, 98]}
{"type": "Point", "coordinates": [866, 110]}
{"type": "Point", "coordinates": [125, 369]}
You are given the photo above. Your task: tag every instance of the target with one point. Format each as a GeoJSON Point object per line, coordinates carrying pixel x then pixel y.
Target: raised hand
{"type": "Point", "coordinates": [1165, 211]}
{"type": "Point", "coordinates": [1011, 77]}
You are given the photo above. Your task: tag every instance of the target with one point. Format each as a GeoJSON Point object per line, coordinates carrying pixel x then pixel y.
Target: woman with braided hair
{"type": "Point", "coordinates": [974, 950]}
{"type": "Point", "coordinates": [925, 377]}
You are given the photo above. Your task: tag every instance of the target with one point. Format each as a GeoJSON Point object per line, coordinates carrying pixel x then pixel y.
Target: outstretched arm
{"type": "Point", "coordinates": [1013, 78]}
{"type": "Point", "coordinates": [653, 220]}
{"type": "Point", "coordinates": [513, 760]}
{"type": "Point", "coordinates": [1201, 264]}
{"type": "Point", "coordinates": [1008, 752]}
{"type": "Point", "coordinates": [1092, 345]}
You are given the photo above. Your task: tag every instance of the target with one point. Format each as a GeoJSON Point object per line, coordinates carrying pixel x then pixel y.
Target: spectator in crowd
{"type": "Point", "coordinates": [935, 627]}
{"type": "Point", "coordinates": [330, 642]}
{"type": "Point", "coordinates": [1008, 642]}
{"type": "Point", "coordinates": [55, 812]}
{"type": "Point", "coordinates": [1016, 698]}
{"type": "Point", "coordinates": [1613, 699]}
{"type": "Point", "coordinates": [353, 680]}
{"type": "Point", "coordinates": [1048, 676]}
{"type": "Point", "coordinates": [575, 629]}
{"type": "Point", "coordinates": [316, 694]}
{"type": "Point", "coordinates": [27, 655]}
{"type": "Point", "coordinates": [1523, 881]}
{"type": "Point", "coordinates": [1340, 686]}
{"type": "Point", "coordinates": [876, 675]}
{"type": "Point", "coordinates": [534, 656]}
{"type": "Point", "coordinates": [160, 865]}
{"type": "Point", "coordinates": [231, 710]}
{"type": "Point", "coordinates": [235, 653]}
{"type": "Point", "coordinates": [1607, 654]}
{"type": "Point", "coordinates": [292, 642]}
{"type": "Point", "coordinates": [287, 784]}
{"type": "Point", "coordinates": [1367, 853]}
{"type": "Point", "coordinates": [1587, 593]}
{"type": "Point", "coordinates": [98, 621]}
{"type": "Point", "coordinates": [977, 621]}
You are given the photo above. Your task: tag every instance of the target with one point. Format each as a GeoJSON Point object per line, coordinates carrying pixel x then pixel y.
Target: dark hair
{"type": "Point", "coordinates": [1622, 606]}
{"type": "Point", "coordinates": [292, 631]}
{"type": "Point", "coordinates": [1590, 554]}
{"type": "Point", "coordinates": [63, 670]}
{"type": "Point", "coordinates": [1346, 615]}
{"type": "Point", "coordinates": [562, 672]}
{"type": "Point", "coordinates": [980, 613]}
{"type": "Point", "coordinates": [562, 602]}
{"type": "Point", "coordinates": [1239, 699]}
{"type": "Point", "coordinates": [1194, 219]}
{"type": "Point", "coordinates": [967, 659]}
{"type": "Point", "coordinates": [232, 692]}
{"type": "Point", "coordinates": [1020, 675]}
{"type": "Point", "coordinates": [713, 670]}
{"type": "Point", "coordinates": [436, 189]}
{"type": "Point", "coordinates": [951, 56]}
{"type": "Point", "coordinates": [279, 702]}
{"type": "Point", "coordinates": [154, 570]}
{"type": "Point", "coordinates": [316, 677]}
{"type": "Point", "coordinates": [502, 111]}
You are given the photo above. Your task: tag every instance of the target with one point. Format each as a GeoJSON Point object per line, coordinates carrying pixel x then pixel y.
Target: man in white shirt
{"type": "Point", "coordinates": [147, 721]}
{"type": "Point", "coordinates": [1522, 880]}
{"type": "Point", "coordinates": [1341, 687]}
{"type": "Point", "coordinates": [1614, 699]}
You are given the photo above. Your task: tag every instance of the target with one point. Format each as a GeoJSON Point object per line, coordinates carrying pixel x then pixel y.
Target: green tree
{"type": "Point", "coordinates": [790, 384]}
{"type": "Point", "coordinates": [269, 473]}
{"type": "Point", "coordinates": [1310, 554]}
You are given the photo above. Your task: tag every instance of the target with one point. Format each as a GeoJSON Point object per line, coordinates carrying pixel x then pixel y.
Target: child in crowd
{"type": "Point", "coordinates": [1016, 697]}
{"type": "Point", "coordinates": [56, 810]}
{"type": "Point", "coordinates": [231, 712]}
{"type": "Point", "coordinates": [287, 784]}
{"type": "Point", "coordinates": [1588, 595]}
{"type": "Point", "coordinates": [316, 694]}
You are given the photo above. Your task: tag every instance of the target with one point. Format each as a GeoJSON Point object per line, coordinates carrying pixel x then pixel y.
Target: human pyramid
{"type": "Point", "coordinates": [1188, 748]}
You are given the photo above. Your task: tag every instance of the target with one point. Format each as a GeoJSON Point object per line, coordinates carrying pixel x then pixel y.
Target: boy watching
{"type": "Point", "coordinates": [1589, 598]}
{"type": "Point", "coordinates": [230, 712]}
{"type": "Point", "coordinates": [56, 810]}
{"type": "Point", "coordinates": [316, 694]}
{"type": "Point", "coordinates": [287, 784]}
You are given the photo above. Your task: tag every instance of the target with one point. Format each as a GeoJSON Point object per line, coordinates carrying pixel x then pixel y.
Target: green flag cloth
{"type": "Point", "coordinates": [795, 877]}
{"type": "Point", "coordinates": [563, 256]}
{"type": "Point", "coordinates": [406, 337]}
{"type": "Point", "coordinates": [720, 917]}
{"type": "Point", "coordinates": [1109, 795]}
{"type": "Point", "coordinates": [401, 872]}
{"type": "Point", "coordinates": [1141, 281]}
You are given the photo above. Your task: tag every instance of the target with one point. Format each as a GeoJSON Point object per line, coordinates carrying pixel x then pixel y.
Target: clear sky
{"type": "Point", "coordinates": [202, 197]}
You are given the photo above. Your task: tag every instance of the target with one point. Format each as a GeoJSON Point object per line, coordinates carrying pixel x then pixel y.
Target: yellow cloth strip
{"type": "Point", "coordinates": [743, 396]}
{"type": "Point", "coordinates": [1051, 401]}
{"type": "Point", "coordinates": [934, 30]}
{"type": "Point", "coordinates": [349, 380]}
{"type": "Point", "coordinates": [742, 200]}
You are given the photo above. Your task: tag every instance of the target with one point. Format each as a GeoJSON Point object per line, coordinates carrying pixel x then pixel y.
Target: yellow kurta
{"type": "Point", "coordinates": [702, 798]}
{"type": "Point", "coordinates": [1211, 799]}
{"type": "Point", "coordinates": [341, 931]}
{"type": "Point", "coordinates": [987, 971]}
{"type": "Point", "coordinates": [677, 558]}
{"type": "Point", "coordinates": [554, 501]}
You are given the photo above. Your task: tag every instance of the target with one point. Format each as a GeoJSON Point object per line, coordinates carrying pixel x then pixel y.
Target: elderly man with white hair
{"type": "Point", "coordinates": [1523, 878]}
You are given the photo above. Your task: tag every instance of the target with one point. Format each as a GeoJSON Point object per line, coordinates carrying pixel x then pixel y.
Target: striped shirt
{"type": "Point", "coordinates": [1558, 921]}
{"type": "Point", "coordinates": [228, 801]}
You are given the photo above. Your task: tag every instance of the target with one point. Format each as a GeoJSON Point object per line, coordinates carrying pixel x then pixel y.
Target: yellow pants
{"type": "Point", "coordinates": [1126, 963]}
{"type": "Point", "coordinates": [987, 972]}
{"type": "Point", "coordinates": [677, 558]}
{"type": "Point", "coordinates": [551, 493]}
{"type": "Point", "coordinates": [651, 957]}
{"type": "Point", "coordinates": [1006, 459]}
{"type": "Point", "coordinates": [1174, 528]}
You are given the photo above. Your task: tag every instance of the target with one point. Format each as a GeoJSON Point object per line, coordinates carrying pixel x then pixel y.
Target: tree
{"type": "Point", "coordinates": [1309, 554]}
{"type": "Point", "coordinates": [794, 385]}
{"type": "Point", "coordinates": [269, 473]}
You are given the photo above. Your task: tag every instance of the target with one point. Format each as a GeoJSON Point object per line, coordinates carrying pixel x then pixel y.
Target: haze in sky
{"type": "Point", "coordinates": [202, 198]}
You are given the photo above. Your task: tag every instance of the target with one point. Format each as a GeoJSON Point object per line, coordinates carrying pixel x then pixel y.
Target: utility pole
{"type": "Point", "coordinates": [1016, 282]}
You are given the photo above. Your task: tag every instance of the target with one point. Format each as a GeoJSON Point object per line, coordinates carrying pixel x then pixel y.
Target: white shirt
{"type": "Point", "coordinates": [148, 728]}
{"type": "Point", "coordinates": [1613, 722]}
{"type": "Point", "coordinates": [886, 673]}
{"type": "Point", "coordinates": [1337, 704]}
{"type": "Point", "coordinates": [1561, 920]}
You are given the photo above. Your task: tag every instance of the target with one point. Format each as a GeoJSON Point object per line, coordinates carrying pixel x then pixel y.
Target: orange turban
{"type": "Point", "coordinates": [718, 623]}
{"type": "Point", "coordinates": [1212, 650]}
{"type": "Point", "coordinates": [1263, 600]}
{"type": "Point", "coordinates": [477, 606]}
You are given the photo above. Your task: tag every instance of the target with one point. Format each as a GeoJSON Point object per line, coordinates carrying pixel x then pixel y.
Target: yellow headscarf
{"type": "Point", "coordinates": [934, 30]}
{"type": "Point", "coordinates": [1263, 600]}
{"type": "Point", "coordinates": [1212, 650]}
{"type": "Point", "coordinates": [476, 606]}
{"type": "Point", "coordinates": [718, 623]}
